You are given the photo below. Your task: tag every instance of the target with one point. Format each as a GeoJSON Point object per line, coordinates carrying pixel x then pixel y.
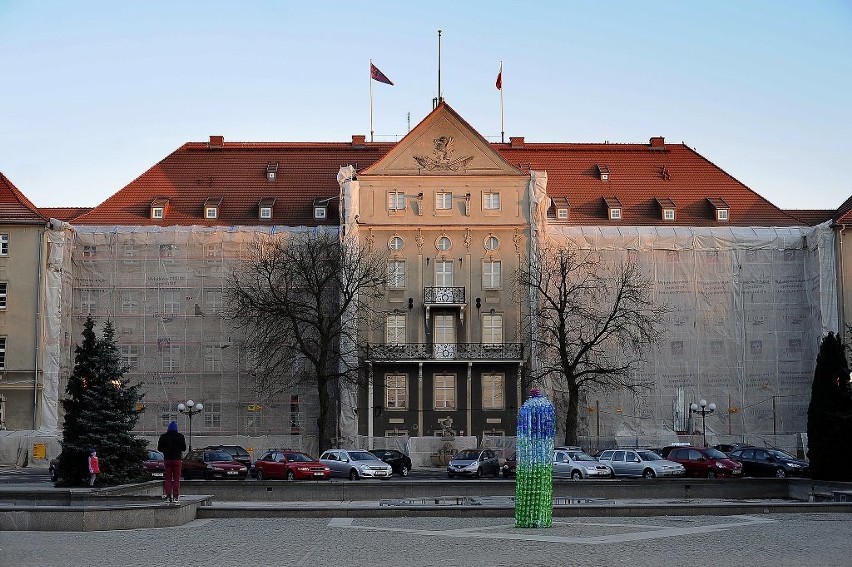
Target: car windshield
{"type": "Point", "coordinates": [581, 456]}
{"type": "Point", "coordinates": [155, 456]}
{"type": "Point", "coordinates": [299, 457]}
{"type": "Point", "coordinates": [361, 456]}
{"type": "Point", "coordinates": [779, 454]}
{"type": "Point", "coordinates": [649, 456]}
{"type": "Point", "coordinates": [467, 456]}
{"type": "Point", "coordinates": [217, 456]}
{"type": "Point", "coordinates": [715, 454]}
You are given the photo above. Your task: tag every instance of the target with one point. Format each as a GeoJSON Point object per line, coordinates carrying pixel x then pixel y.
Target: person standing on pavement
{"type": "Point", "coordinates": [94, 466]}
{"type": "Point", "coordinates": [172, 444]}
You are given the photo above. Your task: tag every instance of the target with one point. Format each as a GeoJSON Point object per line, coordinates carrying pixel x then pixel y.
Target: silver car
{"type": "Point", "coordinates": [640, 463]}
{"type": "Point", "coordinates": [355, 463]}
{"type": "Point", "coordinates": [474, 462]}
{"type": "Point", "coordinates": [576, 464]}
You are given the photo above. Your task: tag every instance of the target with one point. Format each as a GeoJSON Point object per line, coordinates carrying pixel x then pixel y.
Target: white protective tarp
{"type": "Point", "coordinates": [748, 307]}
{"type": "Point", "coordinates": [349, 210]}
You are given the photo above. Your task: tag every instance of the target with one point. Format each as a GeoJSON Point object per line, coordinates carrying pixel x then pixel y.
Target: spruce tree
{"type": "Point", "coordinates": [830, 414]}
{"type": "Point", "coordinates": [100, 413]}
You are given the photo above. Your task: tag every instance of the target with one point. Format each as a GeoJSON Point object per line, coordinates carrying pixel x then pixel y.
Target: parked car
{"type": "Point", "coordinates": [474, 462]}
{"type": "Point", "coordinates": [290, 465]}
{"type": "Point", "coordinates": [211, 463]}
{"type": "Point", "coordinates": [727, 448]}
{"type": "Point", "coordinates": [664, 451]}
{"type": "Point", "coordinates": [705, 462]}
{"type": "Point", "coordinates": [154, 465]}
{"type": "Point", "coordinates": [238, 453]}
{"type": "Point", "coordinates": [758, 461]}
{"type": "Point", "coordinates": [355, 463]}
{"type": "Point", "coordinates": [399, 461]}
{"type": "Point", "coordinates": [576, 464]}
{"type": "Point", "coordinates": [510, 466]}
{"type": "Point", "coordinates": [640, 463]}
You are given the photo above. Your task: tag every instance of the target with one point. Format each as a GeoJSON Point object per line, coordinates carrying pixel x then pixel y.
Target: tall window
{"type": "Point", "coordinates": [443, 273]}
{"type": "Point", "coordinates": [396, 391]}
{"type": "Point", "coordinates": [212, 358]}
{"type": "Point", "coordinates": [129, 302]}
{"type": "Point", "coordinates": [130, 251]}
{"type": "Point", "coordinates": [396, 274]}
{"type": "Point", "coordinates": [167, 416]}
{"type": "Point", "coordinates": [4, 244]}
{"type": "Point", "coordinates": [130, 355]}
{"type": "Point", "coordinates": [167, 250]}
{"type": "Point", "coordinates": [88, 300]}
{"type": "Point", "coordinates": [213, 301]}
{"type": "Point", "coordinates": [295, 411]}
{"type": "Point", "coordinates": [213, 253]}
{"type": "Point", "coordinates": [492, 329]}
{"type": "Point", "coordinates": [90, 252]}
{"type": "Point", "coordinates": [171, 359]}
{"type": "Point", "coordinates": [3, 295]}
{"type": "Point", "coordinates": [443, 201]}
{"type": "Point", "coordinates": [171, 302]}
{"type": "Point", "coordinates": [2, 353]}
{"type": "Point", "coordinates": [445, 391]}
{"type": "Point", "coordinates": [396, 201]}
{"type": "Point", "coordinates": [491, 274]}
{"type": "Point", "coordinates": [395, 329]}
{"type": "Point", "coordinates": [492, 391]}
{"type": "Point", "coordinates": [212, 415]}
{"type": "Point", "coordinates": [491, 201]}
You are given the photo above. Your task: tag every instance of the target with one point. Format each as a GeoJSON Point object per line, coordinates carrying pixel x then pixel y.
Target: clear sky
{"type": "Point", "coordinates": [92, 94]}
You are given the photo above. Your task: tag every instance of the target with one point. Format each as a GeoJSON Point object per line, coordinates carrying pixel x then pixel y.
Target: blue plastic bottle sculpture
{"type": "Point", "coordinates": [534, 483]}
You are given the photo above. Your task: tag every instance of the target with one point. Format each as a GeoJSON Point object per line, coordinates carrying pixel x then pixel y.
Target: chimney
{"type": "Point", "coordinates": [516, 141]}
{"type": "Point", "coordinates": [658, 142]}
{"type": "Point", "coordinates": [216, 142]}
{"type": "Point", "coordinates": [359, 140]}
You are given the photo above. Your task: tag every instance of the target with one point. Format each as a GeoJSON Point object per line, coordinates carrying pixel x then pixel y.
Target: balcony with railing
{"type": "Point", "coordinates": [443, 351]}
{"type": "Point", "coordinates": [438, 296]}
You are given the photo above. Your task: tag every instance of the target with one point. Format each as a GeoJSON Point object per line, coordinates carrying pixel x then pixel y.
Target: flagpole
{"type": "Point", "coordinates": [502, 125]}
{"type": "Point", "coordinates": [371, 99]}
{"type": "Point", "coordinates": [439, 67]}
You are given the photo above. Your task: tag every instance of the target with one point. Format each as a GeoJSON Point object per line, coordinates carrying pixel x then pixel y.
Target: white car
{"type": "Point", "coordinates": [640, 463]}
{"type": "Point", "coordinates": [576, 464]}
{"type": "Point", "coordinates": [355, 463]}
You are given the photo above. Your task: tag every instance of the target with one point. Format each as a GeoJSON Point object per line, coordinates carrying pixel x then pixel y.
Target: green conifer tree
{"type": "Point", "coordinates": [100, 413]}
{"type": "Point", "coordinates": [830, 414]}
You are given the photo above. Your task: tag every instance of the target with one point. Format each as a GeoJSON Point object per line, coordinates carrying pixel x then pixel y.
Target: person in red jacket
{"type": "Point", "coordinates": [171, 445]}
{"type": "Point", "coordinates": [94, 466]}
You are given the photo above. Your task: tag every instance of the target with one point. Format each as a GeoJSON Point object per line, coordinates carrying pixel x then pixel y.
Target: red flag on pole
{"type": "Point", "coordinates": [377, 75]}
{"type": "Point", "coordinates": [499, 83]}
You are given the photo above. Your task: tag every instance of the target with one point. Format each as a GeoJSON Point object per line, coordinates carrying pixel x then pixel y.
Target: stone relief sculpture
{"type": "Point", "coordinates": [442, 157]}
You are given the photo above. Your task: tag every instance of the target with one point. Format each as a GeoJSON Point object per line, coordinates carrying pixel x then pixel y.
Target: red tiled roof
{"type": "Point", "coordinates": [639, 176]}
{"type": "Point", "coordinates": [15, 208]}
{"type": "Point", "coordinates": [844, 212]}
{"type": "Point", "coordinates": [63, 213]}
{"type": "Point", "coordinates": [811, 217]}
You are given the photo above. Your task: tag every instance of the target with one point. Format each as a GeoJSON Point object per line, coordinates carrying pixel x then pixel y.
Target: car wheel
{"type": "Point", "coordinates": [353, 475]}
{"type": "Point", "coordinates": [479, 473]}
{"type": "Point", "coordinates": [207, 475]}
{"type": "Point", "coordinates": [54, 475]}
{"type": "Point", "coordinates": [405, 470]}
{"type": "Point", "coordinates": [290, 475]}
{"type": "Point", "coordinates": [259, 474]}
{"type": "Point", "coordinates": [576, 475]}
{"type": "Point", "coordinates": [711, 474]}
{"type": "Point", "coordinates": [780, 473]}
{"type": "Point", "coordinates": [649, 474]}
{"type": "Point", "coordinates": [496, 473]}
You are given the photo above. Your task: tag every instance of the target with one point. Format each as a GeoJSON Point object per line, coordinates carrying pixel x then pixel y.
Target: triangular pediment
{"type": "Point", "coordinates": [442, 144]}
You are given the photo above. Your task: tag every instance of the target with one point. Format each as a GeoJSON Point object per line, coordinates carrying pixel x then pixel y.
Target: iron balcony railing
{"type": "Point", "coordinates": [444, 351]}
{"type": "Point", "coordinates": [443, 296]}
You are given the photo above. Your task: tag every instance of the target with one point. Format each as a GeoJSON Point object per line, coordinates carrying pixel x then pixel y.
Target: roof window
{"type": "Point", "coordinates": [667, 208]}
{"type": "Point", "coordinates": [603, 171]}
{"type": "Point", "coordinates": [561, 208]}
{"type": "Point", "coordinates": [158, 208]}
{"type": "Point", "coordinates": [271, 171]}
{"type": "Point", "coordinates": [613, 206]}
{"type": "Point", "coordinates": [264, 208]}
{"type": "Point", "coordinates": [721, 209]}
{"type": "Point", "coordinates": [321, 208]}
{"type": "Point", "coordinates": [211, 207]}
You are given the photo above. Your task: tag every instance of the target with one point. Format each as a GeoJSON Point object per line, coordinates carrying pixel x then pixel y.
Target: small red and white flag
{"type": "Point", "coordinates": [499, 83]}
{"type": "Point", "coordinates": [377, 75]}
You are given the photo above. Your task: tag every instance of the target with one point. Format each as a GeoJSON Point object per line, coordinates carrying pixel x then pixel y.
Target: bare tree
{"type": "Point", "coordinates": [590, 323]}
{"type": "Point", "coordinates": [295, 299]}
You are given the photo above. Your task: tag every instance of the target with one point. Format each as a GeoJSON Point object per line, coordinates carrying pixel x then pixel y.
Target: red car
{"type": "Point", "coordinates": [705, 462]}
{"type": "Point", "coordinates": [209, 464]}
{"type": "Point", "coordinates": [154, 464]}
{"type": "Point", "coordinates": [290, 465]}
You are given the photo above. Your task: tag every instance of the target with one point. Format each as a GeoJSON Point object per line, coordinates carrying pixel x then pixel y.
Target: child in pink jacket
{"type": "Point", "coordinates": [94, 466]}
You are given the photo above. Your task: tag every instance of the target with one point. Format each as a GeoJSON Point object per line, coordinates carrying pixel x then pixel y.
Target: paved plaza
{"type": "Point", "coordinates": [694, 541]}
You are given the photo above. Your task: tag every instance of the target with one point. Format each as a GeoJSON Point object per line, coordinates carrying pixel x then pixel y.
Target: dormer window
{"type": "Point", "coordinates": [271, 171]}
{"type": "Point", "coordinates": [321, 209]}
{"type": "Point", "coordinates": [613, 206]}
{"type": "Point", "coordinates": [561, 207]}
{"type": "Point", "coordinates": [721, 209]}
{"type": "Point", "coordinates": [158, 208]}
{"type": "Point", "coordinates": [603, 172]}
{"type": "Point", "coordinates": [667, 208]}
{"type": "Point", "coordinates": [264, 208]}
{"type": "Point", "coordinates": [211, 208]}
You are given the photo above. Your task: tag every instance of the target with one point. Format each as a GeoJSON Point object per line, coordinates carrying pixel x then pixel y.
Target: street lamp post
{"type": "Point", "coordinates": [703, 409]}
{"type": "Point", "coordinates": [190, 409]}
